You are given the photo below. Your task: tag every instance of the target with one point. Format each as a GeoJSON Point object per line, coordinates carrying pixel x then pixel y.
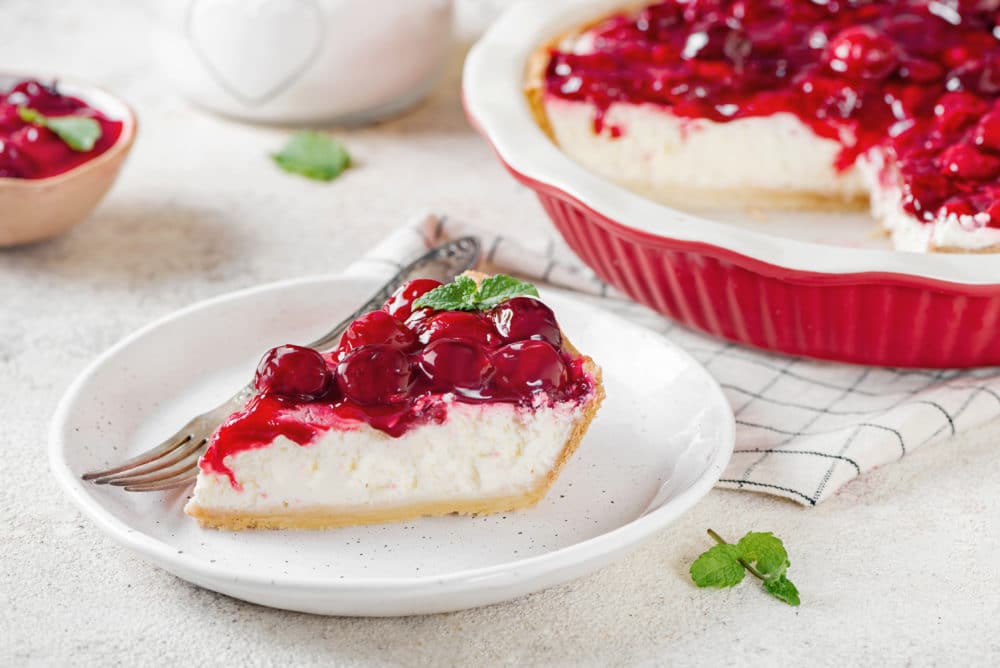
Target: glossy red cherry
{"type": "Point", "coordinates": [979, 75]}
{"type": "Point", "coordinates": [378, 327]}
{"type": "Point", "coordinates": [528, 366]}
{"type": "Point", "coordinates": [400, 304]}
{"type": "Point", "coordinates": [958, 206]}
{"type": "Point", "coordinates": [374, 374]}
{"type": "Point", "coordinates": [293, 372]}
{"type": "Point", "coordinates": [40, 147]}
{"type": "Point", "coordinates": [10, 119]}
{"type": "Point", "coordinates": [12, 165]}
{"type": "Point", "coordinates": [987, 133]}
{"type": "Point", "coordinates": [658, 17]}
{"type": "Point", "coordinates": [993, 211]}
{"type": "Point", "coordinates": [467, 325]}
{"type": "Point", "coordinates": [418, 320]}
{"type": "Point", "coordinates": [957, 111]}
{"type": "Point", "coordinates": [862, 52]}
{"type": "Point", "coordinates": [924, 193]}
{"type": "Point", "coordinates": [523, 318]}
{"type": "Point", "coordinates": [454, 364]}
{"type": "Point", "coordinates": [965, 162]}
{"type": "Point", "coordinates": [921, 70]}
{"type": "Point", "coordinates": [41, 97]}
{"type": "Point", "coordinates": [966, 6]}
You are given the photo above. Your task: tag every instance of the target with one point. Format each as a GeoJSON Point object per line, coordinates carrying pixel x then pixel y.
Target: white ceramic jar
{"type": "Point", "coordinates": [303, 61]}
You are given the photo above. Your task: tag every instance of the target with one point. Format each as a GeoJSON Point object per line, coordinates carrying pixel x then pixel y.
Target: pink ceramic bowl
{"type": "Point", "coordinates": [864, 305]}
{"type": "Point", "coordinates": [36, 209]}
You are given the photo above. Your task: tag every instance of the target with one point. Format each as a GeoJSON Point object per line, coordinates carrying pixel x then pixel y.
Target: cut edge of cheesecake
{"type": "Point", "coordinates": [705, 199]}
{"type": "Point", "coordinates": [331, 517]}
{"type": "Point", "coordinates": [698, 198]}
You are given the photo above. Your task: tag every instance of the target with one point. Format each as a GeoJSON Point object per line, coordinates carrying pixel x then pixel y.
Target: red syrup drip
{"type": "Point", "coordinates": [913, 77]}
{"type": "Point", "coordinates": [31, 152]}
{"type": "Point", "coordinates": [395, 375]}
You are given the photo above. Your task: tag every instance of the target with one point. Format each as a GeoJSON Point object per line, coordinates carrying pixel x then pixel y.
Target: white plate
{"type": "Point", "coordinates": [657, 446]}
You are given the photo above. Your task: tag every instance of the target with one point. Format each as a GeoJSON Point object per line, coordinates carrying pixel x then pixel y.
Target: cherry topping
{"type": "Point", "coordinates": [956, 111]}
{"type": "Point", "coordinates": [862, 52]}
{"type": "Point", "coordinates": [10, 119]}
{"type": "Point", "coordinates": [965, 162]}
{"type": "Point", "coordinates": [921, 70]}
{"type": "Point", "coordinates": [527, 366]}
{"type": "Point", "coordinates": [522, 318]}
{"type": "Point", "coordinates": [11, 163]}
{"type": "Point", "coordinates": [987, 133]}
{"type": "Point", "coordinates": [958, 206]}
{"type": "Point", "coordinates": [378, 327]}
{"type": "Point", "coordinates": [293, 372]}
{"type": "Point", "coordinates": [400, 304]}
{"type": "Point", "coordinates": [40, 147]}
{"type": "Point", "coordinates": [454, 364]}
{"type": "Point", "coordinates": [374, 374]}
{"type": "Point", "coordinates": [993, 211]}
{"type": "Point", "coordinates": [418, 320]}
{"type": "Point", "coordinates": [466, 325]}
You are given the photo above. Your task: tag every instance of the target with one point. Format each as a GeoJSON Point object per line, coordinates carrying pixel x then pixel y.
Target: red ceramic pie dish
{"type": "Point", "coordinates": [868, 306]}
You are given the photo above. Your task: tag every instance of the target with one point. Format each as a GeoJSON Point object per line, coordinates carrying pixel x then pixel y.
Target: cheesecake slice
{"type": "Point", "coordinates": [790, 103]}
{"type": "Point", "coordinates": [465, 398]}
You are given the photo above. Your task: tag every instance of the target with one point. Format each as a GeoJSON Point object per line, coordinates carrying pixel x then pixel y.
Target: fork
{"type": "Point", "coordinates": [174, 463]}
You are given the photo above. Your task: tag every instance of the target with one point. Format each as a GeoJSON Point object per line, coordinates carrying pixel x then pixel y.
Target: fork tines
{"type": "Point", "coordinates": [173, 464]}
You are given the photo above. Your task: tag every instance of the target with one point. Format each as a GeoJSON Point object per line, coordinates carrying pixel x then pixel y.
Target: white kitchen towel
{"type": "Point", "coordinates": [803, 428]}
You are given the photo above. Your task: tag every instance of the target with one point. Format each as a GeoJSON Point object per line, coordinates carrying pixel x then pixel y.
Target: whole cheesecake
{"type": "Point", "coordinates": [792, 103]}
{"type": "Point", "coordinates": [421, 410]}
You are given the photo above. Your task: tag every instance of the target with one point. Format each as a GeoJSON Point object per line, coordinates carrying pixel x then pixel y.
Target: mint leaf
{"type": "Point", "coordinates": [80, 133]}
{"type": "Point", "coordinates": [718, 567]}
{"type": "Point", "coordinates": [313, 155]}
{"type": "Point", "coordinates": [500, 288]}
{"type": "Point", "coordinates": [766, 552]}
{"type": "Point", "coordinates": [761, 553]}
{"type": "Point", "coordinates": [782, 589]}
{"type": "Point", "coordinates": [464, 295]}
{"type": "Point", "coordinates": [29, 115]}
{"type": "Point", "coordinates": [457, 296]}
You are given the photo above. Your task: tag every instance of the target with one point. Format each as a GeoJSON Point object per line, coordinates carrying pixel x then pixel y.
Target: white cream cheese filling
{"type": "Point", "coordinates": [966, 233]}
{"type": "Point", "coordinates": [662, 156]}
{"type": "Point", "coordinates": [705, 163]}
{"type": "Point", "coordinates": [479, 451]}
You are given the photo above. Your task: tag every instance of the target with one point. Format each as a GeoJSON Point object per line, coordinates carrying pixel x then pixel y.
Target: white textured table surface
{"type": "Point", "coordinates": [900, 568]}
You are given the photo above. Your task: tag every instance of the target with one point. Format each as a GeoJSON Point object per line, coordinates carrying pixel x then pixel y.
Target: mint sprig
{"type": "Point", "coordinates": [762, 554]}
{"type": "Point", "coordinates": [80, 133]}
{"type": "Point", "coordinates": [313, 155]}
{"type": "Point", "coordinates": [464, 295]}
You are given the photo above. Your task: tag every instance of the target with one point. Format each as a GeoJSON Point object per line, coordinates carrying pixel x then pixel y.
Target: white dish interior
{"type": "Point", "coordinates": [658, 445]}
{"type": "Point", "coordinates": [831, 243]}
